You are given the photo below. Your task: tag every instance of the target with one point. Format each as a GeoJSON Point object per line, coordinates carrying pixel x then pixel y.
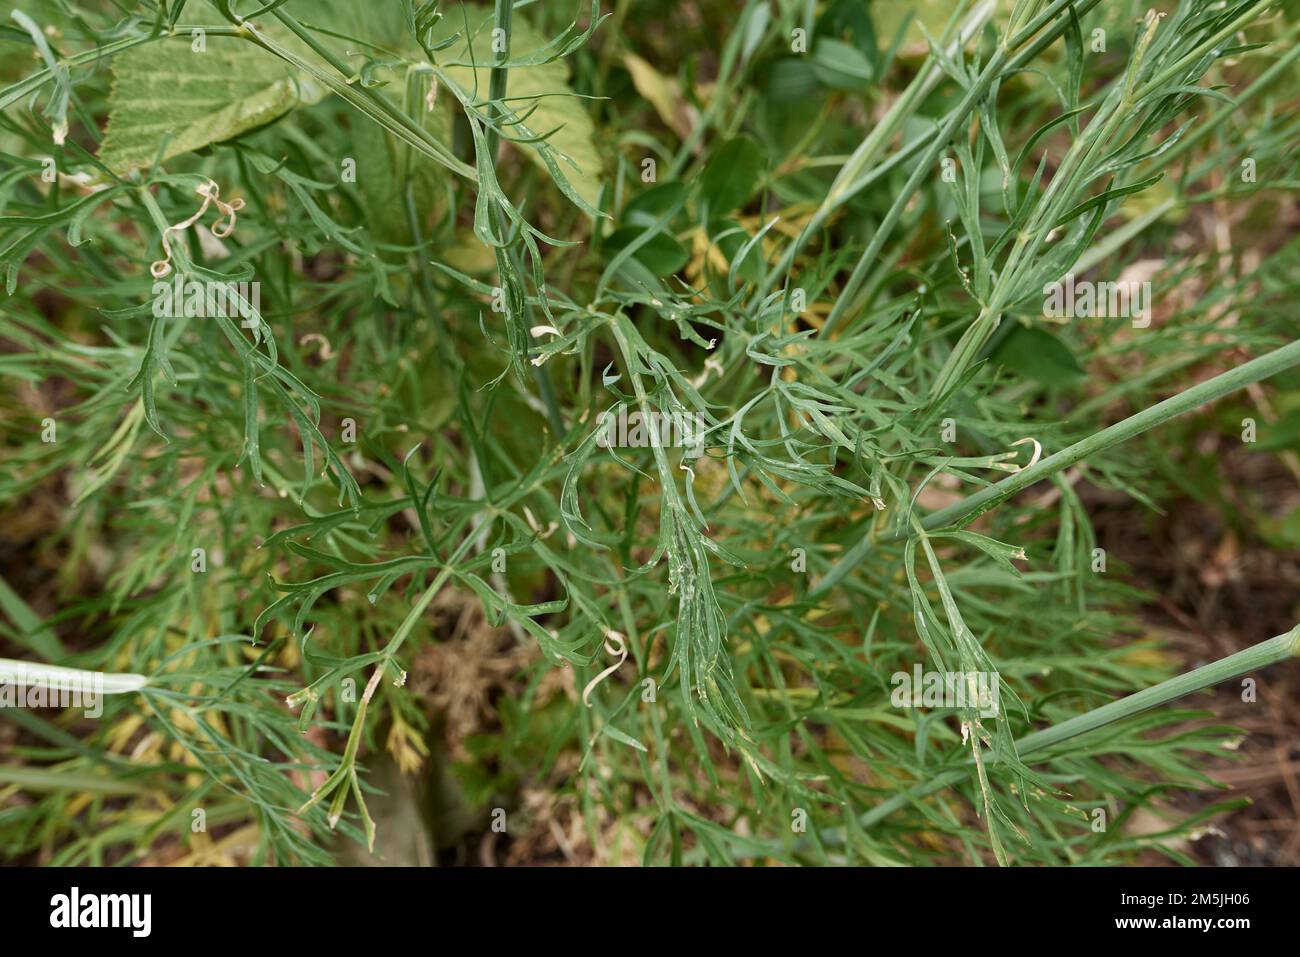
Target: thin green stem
{"type": "Point", "coordinates": [497, 83]}
{"type": "Point", "coordinates": [975, 505]}
{"type": "Point", "coordinates": [994, 70]}
{"type": "Point", "coordinates": [1258, 656]}
{"type": "Point", "coordinates": [854, 175]}
{"type": "Point", "coordinates": [497, 92]}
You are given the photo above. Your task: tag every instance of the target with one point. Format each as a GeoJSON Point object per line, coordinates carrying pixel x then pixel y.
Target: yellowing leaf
{"type": "Point", "coordinates": [663, 93]}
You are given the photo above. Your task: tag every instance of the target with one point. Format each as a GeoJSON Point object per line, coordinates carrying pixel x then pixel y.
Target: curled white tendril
{"type": "Point", "coordinates": [1038, 451]}
{"type": "Point", "coordinates": [326, 350]}
{"type": "Point", "coordinates": [210, 192]}
{"type": "Point", "coordinates": [614, 645]}
{"type": "Point", "coordinates": [1002, 461]}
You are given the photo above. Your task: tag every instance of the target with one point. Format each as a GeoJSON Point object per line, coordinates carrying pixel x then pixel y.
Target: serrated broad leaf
{"type": "Point", "coordinates": [198, 98]}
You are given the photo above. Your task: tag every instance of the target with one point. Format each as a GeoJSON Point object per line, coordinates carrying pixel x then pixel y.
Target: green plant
{"type": "Point", "coordinates": [476, 231]}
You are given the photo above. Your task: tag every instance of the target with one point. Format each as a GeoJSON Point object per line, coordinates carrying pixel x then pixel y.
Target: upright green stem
{"type": "Point", "coordinates": [1250, 659]}
{"type": "Point", "coordinates": [854, 176]}
{"type": "Point", "coordinates": [374, 105]}
{"type": "Point", "coordinates": [924, 168]}
{"type": "Point", "coordinates": [993, 70]}
{"type": "Point", "coordinates": [497, 93]}
{"type": "Point", "coordinates": [974, 505]}
{"type": "Point", "coordinates": [505, 10]}
{"type": "Point", "coordinates": [1282, 65]}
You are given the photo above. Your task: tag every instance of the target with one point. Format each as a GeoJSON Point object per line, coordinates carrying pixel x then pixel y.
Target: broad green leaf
{"type": "Point", "coordinates": [386, 166]}
{"type": "Point", "coordinates": [198, 98]}
{"type": "Point", "coordinates": [661, 254]}
{"type": "Point", "coordinates": [644, 209]}
{"type": "Point", "coordinates": [792, 81]}
{"type": "Point", "coordinates": [732, 175]}
{"type": "Point", "coordinates": [841, 66]}
{"type": "Point", "coordinates": [1037, 354]}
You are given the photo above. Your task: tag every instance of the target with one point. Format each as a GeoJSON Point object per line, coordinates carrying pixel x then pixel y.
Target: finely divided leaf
{"type": "Point", "coordinates": [554, 108]}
